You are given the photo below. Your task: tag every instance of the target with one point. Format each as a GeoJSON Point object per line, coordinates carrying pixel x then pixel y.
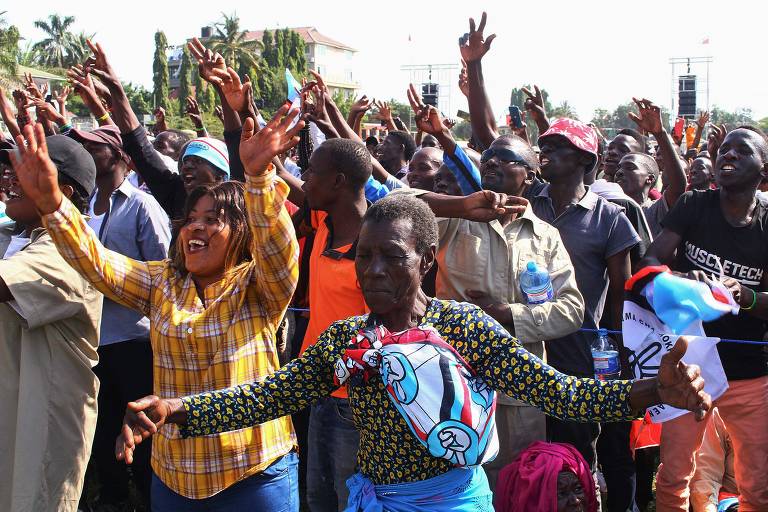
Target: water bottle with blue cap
{"type": "Point", "coordinates": [536, 284]}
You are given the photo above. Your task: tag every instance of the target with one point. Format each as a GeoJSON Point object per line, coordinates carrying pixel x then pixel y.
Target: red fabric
{"type": "Point", "coordinates": [579, 134]}
{"type": "Point", "coordinates": [644, 434]}
{"type": "Point", "coordinates": [530, 482]}
{"type": "Point", "coordinates": [654, 194]}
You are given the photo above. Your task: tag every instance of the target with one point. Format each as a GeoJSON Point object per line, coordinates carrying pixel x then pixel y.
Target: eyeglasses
{"type": "Point", "coordinates": [504, 155]}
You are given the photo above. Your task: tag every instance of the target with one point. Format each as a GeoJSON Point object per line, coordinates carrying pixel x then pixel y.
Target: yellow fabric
{"type": "Point", "coordinates": [198, 347]}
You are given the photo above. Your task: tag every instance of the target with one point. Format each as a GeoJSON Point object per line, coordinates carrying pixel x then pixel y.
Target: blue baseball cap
{"type": "Point", "coordinates": [212, 150]}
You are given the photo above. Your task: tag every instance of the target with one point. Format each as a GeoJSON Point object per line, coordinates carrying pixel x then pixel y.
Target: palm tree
{"type": "Point", "coordinates": [78, 49]}
{"type": "Point", "coordinates": [54, 49]}
{"type": "Point", "coordinates": [27, 55]}
{"type": "Point", "coordinates": [230, 42]}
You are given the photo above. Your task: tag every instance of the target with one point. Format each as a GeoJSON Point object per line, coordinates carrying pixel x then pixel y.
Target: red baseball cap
{"type": "Point", "coordinates": [581, 135]}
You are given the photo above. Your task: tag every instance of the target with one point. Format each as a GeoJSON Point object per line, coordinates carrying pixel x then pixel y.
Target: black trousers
{"type": "Point", "coordinates": [617, 465]}
{"type": "Point", "coordinates": [125, 373]}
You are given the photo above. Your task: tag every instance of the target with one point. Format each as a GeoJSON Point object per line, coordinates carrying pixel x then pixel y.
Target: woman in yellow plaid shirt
{"type": "Point", "coordinates": [214, 308]}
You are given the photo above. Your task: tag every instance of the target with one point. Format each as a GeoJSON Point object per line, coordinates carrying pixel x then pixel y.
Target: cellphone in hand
{"type": "Point", "coordinates": [515, 117]}
{"type": "Point", "coordinates": [677, 132]}
{"type": "Point", "coordinates": [462, 115]}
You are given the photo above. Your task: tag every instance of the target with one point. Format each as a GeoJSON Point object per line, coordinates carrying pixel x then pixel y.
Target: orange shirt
{"type": "Point", "coordinates": [334, 293]}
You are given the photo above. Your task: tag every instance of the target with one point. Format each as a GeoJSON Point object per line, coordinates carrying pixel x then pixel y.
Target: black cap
{"type": "Point", "coordinates": [71, 159]}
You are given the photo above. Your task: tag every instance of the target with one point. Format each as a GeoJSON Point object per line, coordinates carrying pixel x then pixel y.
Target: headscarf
{"type": "Point", "coordinates": [530, 482]}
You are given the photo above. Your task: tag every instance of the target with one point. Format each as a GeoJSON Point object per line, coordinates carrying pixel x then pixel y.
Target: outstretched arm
{"type": "Point", "coordinates": [481, 114]}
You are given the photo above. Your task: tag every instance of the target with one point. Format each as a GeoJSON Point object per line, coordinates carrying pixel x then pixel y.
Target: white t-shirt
{"type": "Point", "coordinates": [95, 221]}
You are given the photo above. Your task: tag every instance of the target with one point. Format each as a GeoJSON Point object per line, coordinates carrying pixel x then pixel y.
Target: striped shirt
{"type": "Point", "coordinates": [226, 341]}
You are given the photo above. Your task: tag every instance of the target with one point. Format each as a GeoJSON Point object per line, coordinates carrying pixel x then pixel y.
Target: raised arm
{"type": "Point", "coordinates": [357, 111]}
{"type": "Point", "coordinates": [701, 123]}
{"type": "Point", "coordinates": [534, 104]}
{"type": "Point", "coordinates": [122, 279]}
{"type": "Point", "coordinates": [473, 47]}
{"type": "Point", "coordinates": [6, 111]}
{"type": "Point", "coordinates": [648, 119]}
{"type": "Point", "coordinates": [276, 249]}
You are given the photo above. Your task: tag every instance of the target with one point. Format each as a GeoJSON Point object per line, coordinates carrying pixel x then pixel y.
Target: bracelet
{"type": "Point", "coordinates": [65, 127]}
{"type": "Point", "coordinates": [103, 118]}
{"type": "Point", "coordinates": [754, 300]}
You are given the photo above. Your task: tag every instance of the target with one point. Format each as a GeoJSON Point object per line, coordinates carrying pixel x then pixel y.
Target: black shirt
{"type": "Point", "coordinates": [709, 242]}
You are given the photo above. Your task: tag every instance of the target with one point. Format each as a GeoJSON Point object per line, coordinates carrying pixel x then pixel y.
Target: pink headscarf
{"type": "Point", "coordinates": [530, 482]}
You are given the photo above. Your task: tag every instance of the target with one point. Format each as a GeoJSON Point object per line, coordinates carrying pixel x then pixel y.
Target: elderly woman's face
{"type": "Point", "coordinates": [570, 493]}
{"type": "Point", "coordinates": [387, 265]}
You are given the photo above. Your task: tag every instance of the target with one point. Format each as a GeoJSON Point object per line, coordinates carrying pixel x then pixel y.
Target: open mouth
{"type": "Point", "coordinates": [727, 168]}
{"type": "Point", "coordinates": [188, 179]}
{"type": "Point", "coordinates": [196, 245]}
{"type": "Point", "coordinates": [543, 161]}
{"type": "Point", "coordinates": [11, 194]}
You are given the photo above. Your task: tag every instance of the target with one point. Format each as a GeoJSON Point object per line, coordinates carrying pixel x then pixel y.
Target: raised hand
{"type": "Point", "coordinates": [715, 140]}
{"type": "Point", "coordinates": [159, 114]}
{"type": "Point", "coordinates": [449, 123]}
{"type": "Point", "coordinates": [320, 82]}
{"type": "Point", "coordinates": [142, 419]}
{"type": "Point", "coordinates": [648, 118]}
{"type": "Point", "coordinates": [362, 105]}
{"type": "Point", "coordinates": [31, 87]}
{"type": "Point", "coordinates": [703, 119]}
{"type": "Point", "coordinates": [385, 112]}
{"type": "Point", "coordinates": [534, 104]}
{"type": "Point", "coordinates": [20, 99]}
{"type": "Point", "coordinates": [681, 385]}
{"type": "Point", "coordinates": [257, 149]}
{"type": "Point", "coordinates": [99, 65]}
{"type": "Point", "coordinates": [485, 206]}
{"type": "Point", "coordinates": [464, 79]}
{"type": "Point", "coordinates": [476, 45]}
{"type": "Point", "coordinates": [193, 111]}
{"type": "Point", "coordinates": [234, 91]}
{"type": "Point", "coordinates": [61, 96]}
{"type": "Point", "coordinates": [427, 117]}
{"type": "Point", "coordinates": [46, 111]}
{"type": "Point", "coordinates": [219, 112]}
{"type": "Point", "coordinates": [207, 61]}
{"type": "Point", "coordinates": [35, 171]}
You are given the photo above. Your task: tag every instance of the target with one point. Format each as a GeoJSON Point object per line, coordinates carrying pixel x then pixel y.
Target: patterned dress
{"type": "Point", "coordinates": [389, 453]}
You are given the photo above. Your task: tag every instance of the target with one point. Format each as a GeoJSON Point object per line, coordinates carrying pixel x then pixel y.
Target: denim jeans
{"type": "Point", "coordinates": [333, 445]}
{"type": "Point", "coordinates": [274, 489]}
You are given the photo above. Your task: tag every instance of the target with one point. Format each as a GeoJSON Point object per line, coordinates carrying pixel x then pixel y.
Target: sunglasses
{"type": "Point", "coordinates": [506, 156]}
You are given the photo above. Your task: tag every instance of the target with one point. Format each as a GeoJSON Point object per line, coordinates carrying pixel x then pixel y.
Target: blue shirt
{"type": "Point", "coordinates": [135, 226]}
{"type": "Point", "coordinates": [592, 231]}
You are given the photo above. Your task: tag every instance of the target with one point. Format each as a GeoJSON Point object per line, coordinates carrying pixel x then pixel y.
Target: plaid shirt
{"type": "Point", "coordinates": [226, 342]}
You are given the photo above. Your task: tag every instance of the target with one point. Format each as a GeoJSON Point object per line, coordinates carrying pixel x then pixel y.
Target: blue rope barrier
{"type": "Point", "coordinates": [723, 340]}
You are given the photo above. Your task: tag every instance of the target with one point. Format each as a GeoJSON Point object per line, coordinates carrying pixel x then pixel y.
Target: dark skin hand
{"type": "Point", "coordinates": [534, 104]}
{"type": "Point", "coordinates": [428, 120]}
{"type": "Point", "coordinates": [481, 114]}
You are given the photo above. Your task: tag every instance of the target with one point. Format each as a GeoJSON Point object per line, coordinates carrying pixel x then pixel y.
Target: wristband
{"type": "Point", "coordinates": [65, 127]}
{"type": "Point", "coordinates": [754, 300]}
{"type": "Point", "coordinates": [103, 118]}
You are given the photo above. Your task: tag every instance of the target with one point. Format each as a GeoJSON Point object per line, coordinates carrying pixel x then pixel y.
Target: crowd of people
{"type": "Point", "coordinates": [294, 317]}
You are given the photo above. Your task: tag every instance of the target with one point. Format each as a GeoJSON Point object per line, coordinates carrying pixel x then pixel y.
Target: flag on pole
{"type": "Point", "coordinates": [294, 94]}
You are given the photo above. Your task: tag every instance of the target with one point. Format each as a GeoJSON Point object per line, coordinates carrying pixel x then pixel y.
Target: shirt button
{"type": "Point", "coordinates": [189, 331]}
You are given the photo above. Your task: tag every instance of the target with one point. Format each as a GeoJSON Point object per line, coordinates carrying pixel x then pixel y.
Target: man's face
{"type": "Point", "coordinates": [423, 167]}
{"type": "Point", "coordinates": [617, 148]}
{"type": "Point", "coordinates": [445, 182]}
{"type": "Point", "coordinates": [559, 159]}
{"type": "Point", "coordinates": [502, 168]}
{"type": "Point", "coordinates": [103, 156]}
{"type": "Point", "coordinates": [319, 181]}
{"type": "Point", "coordinates": [164, 144]}
{"type": "Point", "coordinates": [390, 151]}
{"type": "Point", "coordinates": [740, 162]}
{"type": "Point", "coordinates": [387, 265]}
{"type": "Point", "coordinates": [633, 176]}
{"type": "Point", "coordinates": [17, 206]}
{"type": "Point", "coordinates": [701, 173]}
{"type": "Point", "coordinates": [197, 171]}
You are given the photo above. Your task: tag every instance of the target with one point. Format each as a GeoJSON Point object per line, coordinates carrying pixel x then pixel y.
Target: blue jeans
{"type": "Point", "coordinates": [275, 489]}
{"type": "Point", "coordinates": [332, 458]}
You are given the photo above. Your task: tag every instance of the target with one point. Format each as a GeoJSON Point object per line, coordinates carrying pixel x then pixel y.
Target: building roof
{"type": "Point", "coordinates": [37, 73]}
{"type": "Point", "coordinates": [310, 35]}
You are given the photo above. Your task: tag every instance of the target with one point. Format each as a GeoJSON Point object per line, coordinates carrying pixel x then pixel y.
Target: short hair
{"type": "Point", "coordinates": [350, 158]}
{"type": "Point", "coordinates": [761, 133]}
{"type": "Point", "coordinates": [177, 139]}
{"type": "Point", "coordinates": [648, 160]}
{"type": "Point", "coordinates": [79, 195]}
{"type": "Point", "coordinates": [639, 137]}
{"type": "Point", "coordinates": [402, 206]}
{"type": "Point", "coordinates": [409, 144]}
{"type": "Point", "coordinates": [371, 140]}
{"type": "Point", "coordinates": [429, 141]}
{"type": "Point", "coordinates": [527, 152]}
{"type": "Point", "coordinates": [228, 199]}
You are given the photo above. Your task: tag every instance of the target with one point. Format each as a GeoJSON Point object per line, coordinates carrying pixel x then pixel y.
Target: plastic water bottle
{"type": "Point", "coordinates": [605, 357]}
{"type": "Point", "coordinates": [536, 284]}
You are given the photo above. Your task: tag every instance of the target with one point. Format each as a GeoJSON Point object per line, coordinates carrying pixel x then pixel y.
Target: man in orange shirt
{"type": "Point", "coordinates": [334, 191]}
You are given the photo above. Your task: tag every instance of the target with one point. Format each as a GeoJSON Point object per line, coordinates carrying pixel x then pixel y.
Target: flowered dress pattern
{"type": "Point", "coordinates": [389, 452]}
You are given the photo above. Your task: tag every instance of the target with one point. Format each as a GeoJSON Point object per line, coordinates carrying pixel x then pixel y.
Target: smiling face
{"type": "Point", "coordinates": [633, 175]}
{"type": "Point", "coordinates": [423, 167]}
{"type": "Point", "coordinates": [701, 173]}
{"type": "Point", "coordinates": [388, 266]}
{"type": "Point", "coordinates": [741, 161]}
{"type": "Point", "coordinates": [205, 240]}
{"type": "Point", "coordinates": [197, 172]}
{"type": "Point", "coordinates": [391, 153]}
{"type": "Point", "coordinates": [502, 168]}
{"type": "Point", "coordinates": [560, 160]}
{"type": "Point", "coordinates": [17, 207]}
{"type": "Point", "coordinates": [570, 493]}
{"type": "Point", "coordinates": [445, 182]}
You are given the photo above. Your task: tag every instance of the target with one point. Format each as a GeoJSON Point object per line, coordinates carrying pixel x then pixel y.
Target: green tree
{"type": "Point", "coordinates": [9, 46]}
{"type": "Point", "coordinates": [279, 55]}
{"type": "Point", "coordinates": [79, 50]}
{"type": "Point", "coordinates": [297, 55]}
{"type": "Point", "coordinates": [55, 49]}
{"type": "Point", "coordinates": [763, 124]}
{"type": "Point", "coordinates": [139, 98]}
{"type": "Point", "coordinates": [564, 109]}
{"type": "Point", "coordinates": [462, 130]}
{"type": "Point", "coordinates": [733, 119]}
{"type": "Point", "coordinates": [230, 41]}
{"type": "Point", "coordinates": [268, 48]}
{"type": "Point", "coordinates": [160, 71]}
{"type": "Point", "coordinates": [27, 55]}
{"type": "Point", "coordinates": [204, 94]}
{"type": "Point", "coordinates": [184, 81]}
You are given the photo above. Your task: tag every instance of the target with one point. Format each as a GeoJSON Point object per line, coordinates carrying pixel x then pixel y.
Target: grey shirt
{"type": "Point", "coordinates": [592, 231]}
{"type": "Point", "coordinates": [655, 211]}
{"type": "Point", "coordinates": [135, 226]}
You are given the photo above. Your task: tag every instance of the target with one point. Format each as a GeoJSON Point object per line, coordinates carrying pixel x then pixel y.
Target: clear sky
{"type": "Point", "coordinates": [590, 53]}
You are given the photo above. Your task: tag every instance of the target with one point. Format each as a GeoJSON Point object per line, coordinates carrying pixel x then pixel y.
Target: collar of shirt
{"type": "Point", "coordinates": [588, 201]}
{"type": "Point", "coordinates": [336, 254]}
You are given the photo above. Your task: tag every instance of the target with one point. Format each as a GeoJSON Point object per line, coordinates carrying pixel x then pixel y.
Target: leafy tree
{"type": "Point", "coordinates": [79, 50]}
{"type": "Point", "coordinates": [733, 119]}
{"type": "Point", "coordinates": [9, 46]}
{"type": "Point", "coordinates": [56, 49]}
{"type": "Point", "coordinates": [268, 49]}
{"type": "Point", "coordinates": [139, 98]}
{"type": "Point", "coordinates": [279, 55]}
{"type": "Point", "coordinates": [231, 43]}
{"type": "Point", "coordinates": [296, 54]}
{"type": "Point", "coordinates": [763, 124]}
{"type": "Point", "coordinates": [184, 82]}
{"type": "Point", "coordinates": [564, 109]}
{"type": "Point", "coordinates": [204, 94]}
{"type": "Point", "coordinates": [27, 55]}
{"type": "Point", "coordinates": [160, 71]}
{"type": "Point", "coordinates": [462, 130]}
